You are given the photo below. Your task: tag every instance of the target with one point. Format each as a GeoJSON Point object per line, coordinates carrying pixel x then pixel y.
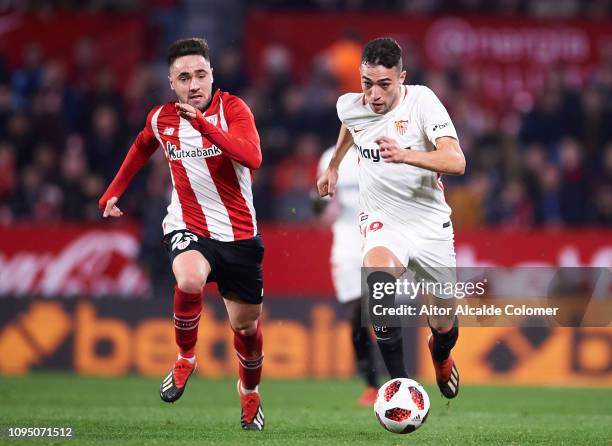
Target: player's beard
{"type": "Point", "coordinates": [203, 107]}
{"type": "Point", "coordinates": [206, 104]}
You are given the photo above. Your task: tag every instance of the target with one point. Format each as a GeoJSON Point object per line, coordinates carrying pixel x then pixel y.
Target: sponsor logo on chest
{"type": "Point", "coordinates": [176, 154]}
{"type": "Point", "coordinates": [369, 154]}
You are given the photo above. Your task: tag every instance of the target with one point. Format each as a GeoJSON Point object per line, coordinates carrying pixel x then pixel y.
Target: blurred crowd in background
{"type": "Point", "coordinates": [596, 9]}
{"type": "Point", "coordinates": [545, 161]}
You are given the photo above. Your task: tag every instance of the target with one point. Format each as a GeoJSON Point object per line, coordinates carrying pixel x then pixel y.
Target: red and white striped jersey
{"type": "Point", "coordinates": [211, 161]}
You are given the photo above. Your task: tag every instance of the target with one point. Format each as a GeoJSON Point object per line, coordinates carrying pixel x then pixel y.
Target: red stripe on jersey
{"type": "Point", "coordinates": [224, 176]}
{"type": "Point", "coordinates": [440, 184]}
{"type": "Point", "coordinates": [193, 216]}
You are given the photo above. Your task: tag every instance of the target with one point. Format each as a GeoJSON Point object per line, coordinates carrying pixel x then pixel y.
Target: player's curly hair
{"type": "Point", "coordinates": [383, 51]}
{"type": "Point", "coordinates": [186, 47]}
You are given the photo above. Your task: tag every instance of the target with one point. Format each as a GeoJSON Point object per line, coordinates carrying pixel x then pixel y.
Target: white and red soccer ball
{"type": "Point", "coordinates": [402, 405]}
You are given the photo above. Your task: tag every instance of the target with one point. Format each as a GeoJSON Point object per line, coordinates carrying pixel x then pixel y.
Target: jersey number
{"type": "Point", "coordinates": [374, 226]}
{"type": "Point", "coordinates": [181, 240]}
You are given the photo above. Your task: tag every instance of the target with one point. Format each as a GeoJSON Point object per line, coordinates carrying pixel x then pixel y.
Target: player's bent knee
{"type": "Point", "coordinates": [191, 270]}
{"type": "Point", "coordinates": [245, 328]}
{"type": "Point", "coordinates": [191, 283]}
{"type": "Point", "coordinates": [380, 257]}
{"type": "Point", "coordinates": [442, 324]}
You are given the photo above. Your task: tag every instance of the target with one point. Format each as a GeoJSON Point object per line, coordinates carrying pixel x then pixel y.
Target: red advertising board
{"type": "Point", "coordinates": [101, 260]}
{"type": "Point", "coordinates": [70, 260]}
{"type": "Point", "coordinates": [566, 248]}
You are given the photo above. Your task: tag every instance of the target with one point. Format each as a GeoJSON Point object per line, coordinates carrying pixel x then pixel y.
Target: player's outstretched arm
{"type": "Point", "coordinates": [326, 184]}
{"type": "Point", "coordinates": [447, 159]}
{"type": "Point", "coordinates": [143, 148]}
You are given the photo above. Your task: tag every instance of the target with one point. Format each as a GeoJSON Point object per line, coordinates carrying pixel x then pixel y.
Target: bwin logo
{"type": "Point", "coordinates": [371, 154]}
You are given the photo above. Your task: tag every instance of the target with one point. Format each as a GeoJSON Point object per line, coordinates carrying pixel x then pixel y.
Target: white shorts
{"type": "Point", "coordinates": [427, 251]}
{"type": "Point", "coordinates": [347, 280]}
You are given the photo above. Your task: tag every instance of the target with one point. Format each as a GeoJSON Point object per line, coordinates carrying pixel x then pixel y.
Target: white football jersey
{"type": "Point", "coordinates": [347, 241]}
{"type": "Point", "coordinates": [407, 194]}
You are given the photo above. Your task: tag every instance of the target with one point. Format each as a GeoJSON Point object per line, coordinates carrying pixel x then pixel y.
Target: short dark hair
{"type": "Point", "coordinates": [186, 47]}
{"type": "Point", "coordinates": [383, 51]}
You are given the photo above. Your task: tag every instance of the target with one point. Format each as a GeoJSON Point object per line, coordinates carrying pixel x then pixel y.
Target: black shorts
{"type": "Point", "coordinates": [235, 266]}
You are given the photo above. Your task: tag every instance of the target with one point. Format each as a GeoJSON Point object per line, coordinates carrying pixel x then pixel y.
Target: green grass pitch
{"type": "Point", "coordinates": [128, 411]}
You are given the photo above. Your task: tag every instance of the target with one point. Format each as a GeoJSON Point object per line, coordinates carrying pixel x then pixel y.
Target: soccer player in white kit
{"type": "Point", "coordinates": [406, 141]}
{"type": "Point", "coordinates": [343, 211]}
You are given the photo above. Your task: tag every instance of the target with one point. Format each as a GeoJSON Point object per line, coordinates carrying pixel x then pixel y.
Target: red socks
{"type": "Point", "coordinates": [187, 309]}
{"type": "Point", "coordinates": [250, 357]}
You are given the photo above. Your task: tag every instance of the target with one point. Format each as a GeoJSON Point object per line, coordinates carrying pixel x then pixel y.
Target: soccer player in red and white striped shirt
{"type": "Point", "coordinates": [212, 147]}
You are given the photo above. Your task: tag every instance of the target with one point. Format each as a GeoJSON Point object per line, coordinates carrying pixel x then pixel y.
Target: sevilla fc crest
{"type": "Point", "coordinates": [401, 127]}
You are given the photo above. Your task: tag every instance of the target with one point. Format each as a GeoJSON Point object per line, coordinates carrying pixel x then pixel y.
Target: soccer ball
{"type": "Point", "coordinates": [402, 405]}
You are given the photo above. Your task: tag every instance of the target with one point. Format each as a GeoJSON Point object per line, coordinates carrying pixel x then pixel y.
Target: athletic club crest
{"type": "Point", "coordinates": [401, 127]}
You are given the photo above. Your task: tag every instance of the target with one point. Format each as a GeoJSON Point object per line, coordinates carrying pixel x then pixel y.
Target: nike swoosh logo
{"type": "Point", "coordinates": [358, 130]}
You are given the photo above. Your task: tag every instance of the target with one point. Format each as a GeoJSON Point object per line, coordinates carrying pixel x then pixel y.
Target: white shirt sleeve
{"type": "Point", "coordinates": [341, 109]}
{"type": "Point", "coordinates": [435, 119]}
